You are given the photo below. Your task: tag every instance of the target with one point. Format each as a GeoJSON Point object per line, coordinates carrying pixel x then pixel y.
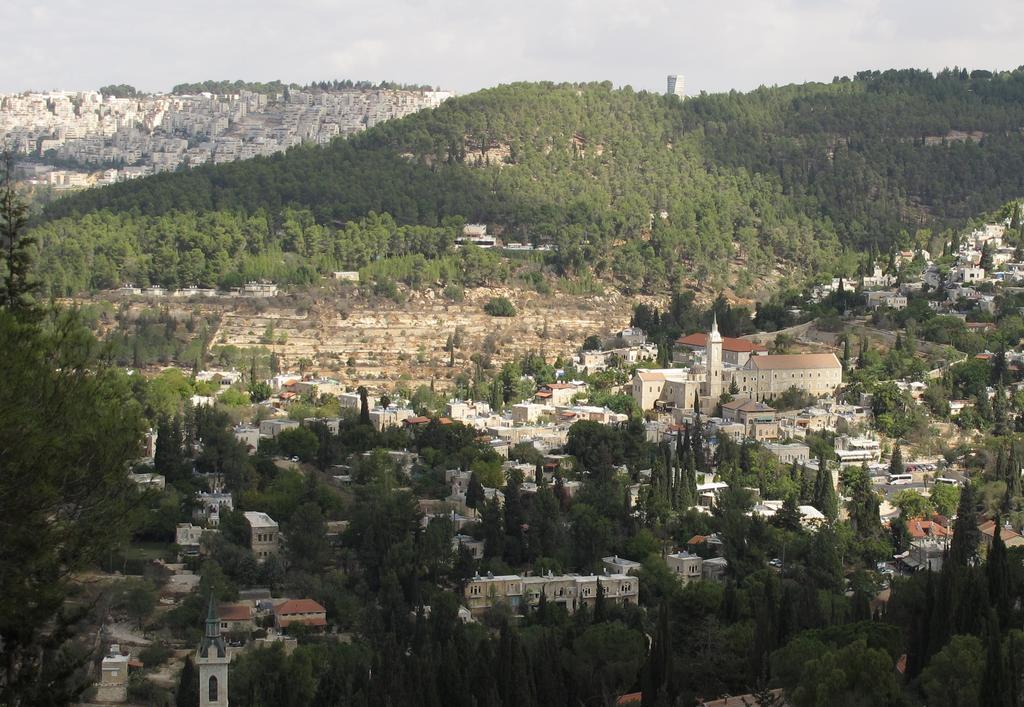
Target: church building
{"type": "Point", "coordinates": [756, 375]}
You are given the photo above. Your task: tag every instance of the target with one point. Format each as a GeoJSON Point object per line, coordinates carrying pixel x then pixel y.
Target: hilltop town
{"type": "Point", "coordinates": [76, 139]}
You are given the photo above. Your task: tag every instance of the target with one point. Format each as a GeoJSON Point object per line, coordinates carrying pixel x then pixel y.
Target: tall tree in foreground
{"type": "Point", "coordinates": [65, 499]}
{"type": "Point", "coordinates": [68, 429]}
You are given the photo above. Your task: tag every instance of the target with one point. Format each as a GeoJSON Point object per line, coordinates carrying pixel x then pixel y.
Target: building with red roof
{"type": "Point", "coordinates": [734, 351]}
{"type": "Point", "coordinates": [300, 611]}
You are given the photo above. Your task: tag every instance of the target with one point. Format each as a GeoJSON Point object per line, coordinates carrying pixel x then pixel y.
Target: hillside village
{"type": "Point", "coordinates": [77, 139]}
{"type": "Point", "coordinates": [272, 491]}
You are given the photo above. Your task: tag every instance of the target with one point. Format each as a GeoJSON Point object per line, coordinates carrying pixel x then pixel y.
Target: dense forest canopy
{"type": "Point", "coordinates": [634, 186]}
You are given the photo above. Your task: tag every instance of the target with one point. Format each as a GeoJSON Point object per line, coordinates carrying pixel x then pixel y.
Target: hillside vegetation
{"type": "Point", "coordinates": [633, 187]}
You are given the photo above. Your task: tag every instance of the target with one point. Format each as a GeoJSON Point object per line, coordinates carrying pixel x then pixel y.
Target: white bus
{"type": "Point", "coordinates": [900, 478]}
{"type": "Point", "coordinates": [946, 480]}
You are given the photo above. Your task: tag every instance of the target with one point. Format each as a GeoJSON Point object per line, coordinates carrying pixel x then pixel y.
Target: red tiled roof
{"type": "Point", "coordinates": [299, 606]}
{"type": "Point", "coordinates": [920, 528]}
{"type": "Point", "coordinates": [417, 420]}
{"type": "Point", "coordinates": [700, 340]}
{"type": "Point", "coordinates": [696, 539]}
{"type": "Point", "coordinates": [543, 394]}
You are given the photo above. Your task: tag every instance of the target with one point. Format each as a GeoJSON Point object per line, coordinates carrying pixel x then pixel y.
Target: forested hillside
{"type": "Point", "coordinates": [634, 187]}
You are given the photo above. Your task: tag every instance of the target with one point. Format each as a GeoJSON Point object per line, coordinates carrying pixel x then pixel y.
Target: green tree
{"type": "Point", "coordinates": [853, 675]}
{"type": "Point", "coordinates": [945, 498]}
{"type": "Point", "coordinates": [912, 504]}
{"type": "Point", "coordinates": [18, 285]}
{"type": "Point", "coordinates": [306, 536]}
{"type": "Point", "coordinates": [953, 675]}
{"type": "Point", "coordinates": [187, 693]}
{"type": "Point", "coordinates": [65, 501]}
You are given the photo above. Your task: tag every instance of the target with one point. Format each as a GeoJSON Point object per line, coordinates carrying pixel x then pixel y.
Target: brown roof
{"type": "Point", "coordinates": [417, 420]}
{"type": "Point", "coordinates": [299, 606]}
{"type": "Point", "coordinates": [920, 528]}
{"type": "Point", "coordinates": [696, 539]}
{"type": "Point", "coordinates": [234, 612]}
{"type": "Point", "coordinates": [746, 405]}
{"type": "Point", "coordinates": [1010, 537]}
{"type": "Point", "coordinates": [793, 361]}
{"type": "Point", "coordinates": [700, 340]}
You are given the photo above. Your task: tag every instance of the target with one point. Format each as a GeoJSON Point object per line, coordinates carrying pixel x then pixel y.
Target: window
{"type": "Point", "coordinates": [213, 689]}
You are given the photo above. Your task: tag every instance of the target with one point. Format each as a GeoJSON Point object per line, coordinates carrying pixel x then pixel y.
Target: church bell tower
{"type": "Point", "coordinates": [713, 351]}
{"type": "Point", "coordinates": [212, 661]}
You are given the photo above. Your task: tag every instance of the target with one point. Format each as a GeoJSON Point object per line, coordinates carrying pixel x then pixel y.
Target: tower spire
{"type": "Point", "coordinates": [714, 336]}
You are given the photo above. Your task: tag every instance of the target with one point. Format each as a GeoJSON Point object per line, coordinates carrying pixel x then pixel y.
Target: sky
{"type": "Point", "coordinates": [465, 45]}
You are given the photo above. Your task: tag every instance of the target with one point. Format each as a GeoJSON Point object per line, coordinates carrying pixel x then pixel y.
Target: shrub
{"type": "Point", "coordinates": [500, 307]}
{"type": "Point", "coordinates": [154, 655]}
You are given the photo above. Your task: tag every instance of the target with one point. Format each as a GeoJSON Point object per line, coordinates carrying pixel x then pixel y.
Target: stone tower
{"type": "Point", "coordinates": [212, 660]}
{"type": "Point", "coordinates": [713, 352]}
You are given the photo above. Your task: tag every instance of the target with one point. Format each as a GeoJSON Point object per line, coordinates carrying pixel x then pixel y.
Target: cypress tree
{"type": "Point", "coordinates": [699, 460]}
{"type": "Point", "coordinates": [364, 406]}
{"type": "Point", "coordinates": [966, 536]}
{"type": "Point", "coordinates": [995, 687]}
{"type": "Point", "coordinates": [896, 462]}
{"type": "Point", "coordinates": [997, 574]}
{"type": "Point", "coordinates": [187, 694]}
{"type": "Point", "coordinates": [654, 680]}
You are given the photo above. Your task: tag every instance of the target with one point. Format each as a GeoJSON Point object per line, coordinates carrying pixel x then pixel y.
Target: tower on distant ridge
{"type": "Point", "coordinates": [212, 660]}
{"type": "Point", "coordinates": [675, 86]}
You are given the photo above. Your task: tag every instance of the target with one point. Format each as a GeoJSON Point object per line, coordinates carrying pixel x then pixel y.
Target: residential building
{"type": "Point", "coordinates": [789, 453]}
{"type": "Point", "coordinates": [236, 618]}
{"type": "Point", "coordinates": [619, 565]}
{"type": "Point", "coordinates": [559, 394]}
{"type": "Point", "coordinates": [857, 450]}
{"type": "Point", "coordinates": [713, 569]}
{"type": "Point", "coordinates": [249, 436]}
{"type": "Point", "coordinates": [685, 566]}
{"type": "Point", "coordinates": [758, 419]}
{"type": "Point", "coordinates": [1011, 538]}
{"type": "Point", "coordinates": [883, 298]}
{"type": "Point", "coordinates": [570, 590]}
{"type": "Point", "coordinates": [300, 611]}
{"type": "Point", "coordinates": [263, 534]}
{"type": "Point", "coordinates": [275, 426]}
